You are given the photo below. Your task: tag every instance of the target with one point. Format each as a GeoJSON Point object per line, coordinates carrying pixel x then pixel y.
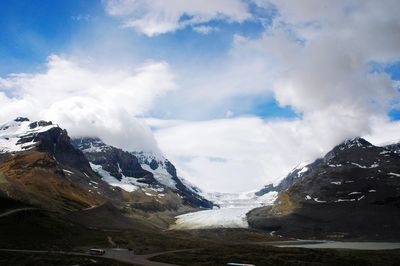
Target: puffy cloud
{"type": "Point", "coordinates": [153, 17]}
{"type": "Point", "coordinates": [89, 100]}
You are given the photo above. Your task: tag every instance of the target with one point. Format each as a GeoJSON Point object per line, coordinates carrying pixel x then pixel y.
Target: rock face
{"type": "Point", "coordinates": [116, 162]}
{"type": "Point", "coordinates": [353, 192]}
{"type": "Point", "coordinates": [165, 172]}
{"type": "Point", "coordinates": [135, 171]}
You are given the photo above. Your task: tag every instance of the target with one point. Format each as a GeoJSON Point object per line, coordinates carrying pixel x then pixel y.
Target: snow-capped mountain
{"type": "Point", "coordinates": [393, 146]}
{"type": "Point", "coordinates": [135, 170]}
{"type": "Point", "coordinates": [19, 134]}
{"type": "Point", "coordinates": [353, 192]}
{"type": "Point", "coordinates": [117, 167]}
{"type": "Point", "coordinates": [297, 173]}
{"type": "Point", "coordinates": [163, 170]}
{"type": "Point", "coordinates": [39, 166]}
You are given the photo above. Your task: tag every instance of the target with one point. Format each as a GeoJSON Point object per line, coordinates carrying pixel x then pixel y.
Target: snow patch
{"type": "Point", "coordinates": [394, 174]}
{"type": "Point", "coordinates": [319, 201]}
{"type": "Point", "coordinates": [161, 175]}
{"type": "Point", "coordinates": [68, 172]}
{"type": "Point", "coordinates": [128, 184]}
{"type": "Point", "coordinates": [358, 165]}
{"type": "Point", "coordinates": [342, 200]}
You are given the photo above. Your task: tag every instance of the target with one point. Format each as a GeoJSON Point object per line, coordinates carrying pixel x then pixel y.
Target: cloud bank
{"type": "Point", "coordinates": [89, 100]}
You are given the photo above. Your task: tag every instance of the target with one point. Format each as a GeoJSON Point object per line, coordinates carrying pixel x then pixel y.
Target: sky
{"type": "Point", "coordinates": [235, 93]}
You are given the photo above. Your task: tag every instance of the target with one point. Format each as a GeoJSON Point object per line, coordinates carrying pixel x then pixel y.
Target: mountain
{"type": "Point", "coordinates": [297, 173]}
{"type": "Point", "coordinates": [135, 171]}
{"type": "Point", "coordinates": [353, 192]}
{"type": "Point", "coordinates": [39, 166]}
{"type": "Point", "coordinates": [393, 146]}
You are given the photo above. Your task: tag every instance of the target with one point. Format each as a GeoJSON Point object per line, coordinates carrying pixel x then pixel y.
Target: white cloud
{"type": "Point", "coordinates": [205, 29]}
{"type": "Point", "coordinates": [384, 132]}
{"type": "Point", "coordinates": [89, 100]}
{"type": "Point", "coordinates": [153, 17]}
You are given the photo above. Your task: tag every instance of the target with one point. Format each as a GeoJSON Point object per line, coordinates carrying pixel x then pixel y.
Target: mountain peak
{"type": "Point", "coordinates": [21, 119]}
{"type": "Point", "coordinates": [357, 141]}
{"type": "Point", "coordinates": [90, 144]}
{"type": "Point", "coordinates": [20, 134]}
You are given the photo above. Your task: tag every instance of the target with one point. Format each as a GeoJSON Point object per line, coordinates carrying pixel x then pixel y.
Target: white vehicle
{"type": "Point", "coordinates": [97, 251]}
{"type": "Point", "coordinates": [238, 264]}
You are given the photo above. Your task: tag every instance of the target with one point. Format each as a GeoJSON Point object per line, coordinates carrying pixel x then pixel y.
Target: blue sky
{"type": "Point", "coordinates": [31, 30]}
{"type": "Point", "coordinates": [243, 81]}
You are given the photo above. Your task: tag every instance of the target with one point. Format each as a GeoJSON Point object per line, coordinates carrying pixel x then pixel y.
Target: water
{"type": "Point", "coordinates": [344, 245]}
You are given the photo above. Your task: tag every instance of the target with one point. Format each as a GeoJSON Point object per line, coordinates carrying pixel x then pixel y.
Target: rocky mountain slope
{"type": "Point", "coordinates": [393, 146]}
{"type": "Point", "coordinates": [353, 192]}
{"type": "Point", "coordinates": [139, 171]}
{"type": "Point", "coordinates": [39, 166]}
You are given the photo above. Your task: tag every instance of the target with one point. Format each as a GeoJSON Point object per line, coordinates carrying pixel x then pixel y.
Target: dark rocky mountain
{"type": "Point", "coordinates": [297, 173]}
{"type": "Point", "coordinates": [132, 170]}
{"type": "Point", "coordinates": [353, 192]}
{"type": "Point", "coordinates": [395, 147]}
{"type": "Point", "coordinates": [116, 162]}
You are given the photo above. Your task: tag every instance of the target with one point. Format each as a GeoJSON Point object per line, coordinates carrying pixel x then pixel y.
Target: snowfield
{"type": "Point", "coordinates": [232, 213]}
{"type": "Point", "coordinates": [128, 184]}
{"type": "Point", "coordinates": [12, 132]}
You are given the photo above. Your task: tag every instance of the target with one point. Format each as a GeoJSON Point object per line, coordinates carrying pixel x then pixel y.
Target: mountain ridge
{"type": "Point", "coordinates": [159, 172]}
{"type": "Point", "coordinates": [355, 182]}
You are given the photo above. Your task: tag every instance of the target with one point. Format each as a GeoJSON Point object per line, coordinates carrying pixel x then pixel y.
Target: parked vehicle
{"type": "Point", "coordinates": [97, 251]}
{"type": "Point", "coordinates": [238, 264]}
